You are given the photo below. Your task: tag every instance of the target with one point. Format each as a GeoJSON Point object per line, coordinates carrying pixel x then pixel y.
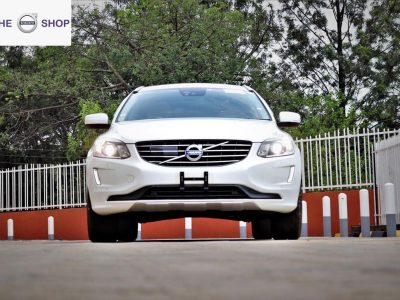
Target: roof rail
{"type": "Point", "coordinates": [248, 88]}
{"type": "Point", "coordinates": [138, 89]}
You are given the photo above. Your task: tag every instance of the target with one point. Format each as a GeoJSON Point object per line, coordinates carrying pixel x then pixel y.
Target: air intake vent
{"type": "Point", "coordinates": [173, 192]}
{"type": "Point", "coordinates": [193, 152]}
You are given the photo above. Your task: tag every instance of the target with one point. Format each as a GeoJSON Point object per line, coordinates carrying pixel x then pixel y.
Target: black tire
{"type": "Point", "coordinates": [261, 229]}
{"type": "Point", "coordinates": [112, 228]}
{"type": "Point", "coordinates": [287, 226]}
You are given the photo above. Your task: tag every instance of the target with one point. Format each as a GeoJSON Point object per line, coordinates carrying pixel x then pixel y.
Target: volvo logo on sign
{"type": "Point", "coordinates": [194, 152]}
{"type": "Point", "coordinates": [27, 23]}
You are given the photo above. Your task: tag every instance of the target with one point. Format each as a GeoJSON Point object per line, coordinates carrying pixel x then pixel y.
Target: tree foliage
{"type": "Point", "coordinates": [348, 49]}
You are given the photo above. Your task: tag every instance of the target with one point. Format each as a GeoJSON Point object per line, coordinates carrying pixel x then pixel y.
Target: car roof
{"type": "Point", "coordinates": [194, 85]}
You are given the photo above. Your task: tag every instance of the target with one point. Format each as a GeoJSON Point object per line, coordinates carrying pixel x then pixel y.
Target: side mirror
{"type": "Point", "coordinates": [97, 121]}
{"type": "Point", "coordinates": [289, 119]}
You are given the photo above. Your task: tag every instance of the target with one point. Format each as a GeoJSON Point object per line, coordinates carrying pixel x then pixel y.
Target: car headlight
{"type": "Point", "coordinates": [110, 149]}
{"type": "Point", "coordinates": [276, 147]}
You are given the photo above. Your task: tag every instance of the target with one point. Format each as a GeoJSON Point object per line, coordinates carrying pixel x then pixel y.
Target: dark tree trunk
{"type": "Point", "coordinates": [341, 69]}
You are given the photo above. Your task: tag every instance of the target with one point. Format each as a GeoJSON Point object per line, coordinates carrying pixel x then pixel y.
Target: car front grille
{"type": "Point", "coordinates": [172, 152]}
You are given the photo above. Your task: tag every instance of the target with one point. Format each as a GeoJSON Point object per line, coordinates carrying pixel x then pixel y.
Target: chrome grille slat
{"type": "Point", "coordinates": [186, 145]}
{"type": "Point", "coordinates": [169, 156]}
{"type": "Point", "coordinates": [225, 150]}
{"type": "Point", "coordinates": [171, 153]}
{"type": "Point", "coordinates": [229, 155]}
{"type": "Point", "coordinates": [197, 162]}
{"type": "Point", "coordinates": [182, 151]}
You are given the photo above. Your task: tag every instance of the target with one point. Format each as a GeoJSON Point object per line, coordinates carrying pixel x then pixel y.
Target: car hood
{"type": "Point", "coordinates": [193, 128]}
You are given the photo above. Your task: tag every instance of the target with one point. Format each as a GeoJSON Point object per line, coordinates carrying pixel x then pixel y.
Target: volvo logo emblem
{"type": "Point", "coordinates": [194, 152]}
{"type": "Point", "coordinates": [27, 23]}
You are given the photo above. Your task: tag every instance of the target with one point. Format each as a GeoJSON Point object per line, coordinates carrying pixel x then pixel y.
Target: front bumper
{"type": "Point", "coordinates": [264, 175]}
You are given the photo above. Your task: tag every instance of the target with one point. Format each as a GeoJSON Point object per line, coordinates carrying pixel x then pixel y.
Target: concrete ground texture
{"type": "Point", "coordinates": [315, 268]}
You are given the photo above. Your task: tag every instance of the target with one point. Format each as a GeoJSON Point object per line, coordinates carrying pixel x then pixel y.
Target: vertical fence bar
{"type": "Point", "coordinates": [349, 158]}
{"type": "Point", "coordinates": [345, 157]}
{"type": "Point", "coordinates": [39, 185]}
{"type": "Point", "coordinates": [79, 185]}
{"type": "Point", "coordinates": [1, 191]}
{"type": "Point", "coordinates": [369, 156]}
{"type": "Point", "coordinates": [20, 187]}
{"type": "Point", "coordinates": [26, 187]}
{"type": "Point", "coordinates": [84, 181]}
{"type": "Point", "coordinates": [59, 187]}
{"type": "Point", "coordinates": [365, 149]}
{"type": "Point", "coordinates": [320, 160]}
{"type": "Point", "coordinates": [33, 186]}
{"type": "Point", "coordinates": [303, 172]}
{"type": "Point", "coordinates": [317, 161]}
{"type": "Point", "coordinates": [52, 186]}
{"type": "Point", "coordinates": [377, 208]}
{"type": "Point", "coordinates": [359, 157]}
{"type": "Point", "coordinates": [326, 160]}
{"type": "Point", "coordinates": [355, 156]}
{"type": "Point", "coordinates": [309, 169]}
{"type": "Point", "coordinates": [65, 189]}
{"type": "Point", "coordinates": [330, 160]}
{"type": "Point", "coordinates": [336, 158]}
{"type": "Point", "coordinates": [2, 198]}
{"type": "Point", "coordinates": [14, 189]}
{"type": "Point", "coordinates": [340, 158]}
{"type": "Point", "coordinates": [46, 196]}
{"type": "Point", "coordinates": [7, 205]}
{"type": "Point", "coordinates": [73, 200]}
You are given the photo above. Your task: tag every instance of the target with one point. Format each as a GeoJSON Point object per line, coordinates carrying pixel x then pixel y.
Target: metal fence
{"type": "Point", "coordinates": [31, 187]}
{"type": "Point", "coordinates": [339, 160]}
{"type": "Point", "coordinates": [387, 158]}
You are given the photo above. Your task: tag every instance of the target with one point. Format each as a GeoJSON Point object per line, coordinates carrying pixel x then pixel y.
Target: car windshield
{"type": "Point", "coordinates": [193, 103]}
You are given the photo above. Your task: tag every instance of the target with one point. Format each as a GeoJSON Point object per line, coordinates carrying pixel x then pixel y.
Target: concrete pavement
{"type": "Point", "coordinates": [330, 268]}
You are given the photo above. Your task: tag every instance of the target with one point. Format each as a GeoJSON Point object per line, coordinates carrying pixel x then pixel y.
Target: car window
{"type": "Point", "coordinates": [193, 103]}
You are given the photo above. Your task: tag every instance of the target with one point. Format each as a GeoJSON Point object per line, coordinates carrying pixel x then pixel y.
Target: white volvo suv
{"type": "Point", "coordinates": [199, 150]}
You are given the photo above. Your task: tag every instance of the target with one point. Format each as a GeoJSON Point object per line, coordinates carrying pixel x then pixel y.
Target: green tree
{"type": "Point", "coordinates": [153, 42]}
{"type": "Point", "coordinates": [157, 42]}
{"type": "Point", "coordinates": [379, 51]}
{"type": "Point", "coordinates": [344, 48]}
{"type": "Point", "coordinates": [40, 90]}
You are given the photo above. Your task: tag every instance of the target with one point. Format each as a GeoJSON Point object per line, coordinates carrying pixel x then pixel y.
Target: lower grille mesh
{"type": "Point", "coordinates": [171, 192]}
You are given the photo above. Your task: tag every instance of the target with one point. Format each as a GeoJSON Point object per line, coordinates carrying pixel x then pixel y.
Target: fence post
{"type": "Point", "coordinates": [326, 213]}
{"type": "Point", "coordinates": [364, 213]}
{"type": "Point", "coordinates": [243, 229]}
{"type": "Point", "coordinates": [343, 222]}
{"type": "Point", "coordinates": [304, 219]}
{"type": "Point", "coordinates": [50, 228]}
{"type": "Point", "coordinates": [389, 199]}
{"type": "Point", "coordinates": [10, 229]}
{"type": "Point", "coordinates": [139, 232]}
{"type": "Point", "coordinates": [188, 228]}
